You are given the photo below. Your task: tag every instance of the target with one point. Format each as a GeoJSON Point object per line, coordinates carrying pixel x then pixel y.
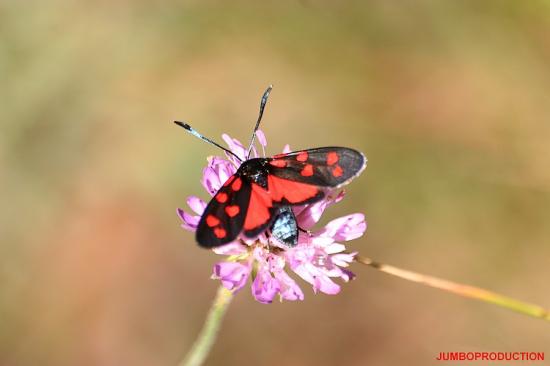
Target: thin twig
{"type": "Point", "coordinates": [459, 289]}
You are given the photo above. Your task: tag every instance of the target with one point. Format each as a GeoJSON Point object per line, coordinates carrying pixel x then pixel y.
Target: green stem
{"type": "Point", "coordinates": [207, 337]}
{"type": "Point", "coordinates": [460, 289]}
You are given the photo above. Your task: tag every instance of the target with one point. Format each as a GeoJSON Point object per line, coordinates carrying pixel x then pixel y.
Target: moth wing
{"type": "Point", "coordinates": [324, 167]}
{"type": "Point", "coordinates": [261, 211]}
{"type": "Point", "coordinates": [223, 218]}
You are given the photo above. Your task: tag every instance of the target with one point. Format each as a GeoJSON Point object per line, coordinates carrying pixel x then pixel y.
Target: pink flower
{"type": "Point", "coordinates": [319, 257]}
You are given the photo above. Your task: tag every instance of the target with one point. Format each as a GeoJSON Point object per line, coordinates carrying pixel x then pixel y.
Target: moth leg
{"type": "Point", "coordinates": [308, 232]}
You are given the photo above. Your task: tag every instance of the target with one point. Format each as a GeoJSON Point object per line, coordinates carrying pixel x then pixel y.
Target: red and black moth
{"type": "Point", "coordinates": [261, 190]}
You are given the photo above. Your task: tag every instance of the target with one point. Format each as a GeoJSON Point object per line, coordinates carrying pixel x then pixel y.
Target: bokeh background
{"type": "Point", "coordinates": [450, 101]}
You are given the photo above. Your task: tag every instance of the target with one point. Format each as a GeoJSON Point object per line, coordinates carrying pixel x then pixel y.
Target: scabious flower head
{"type": "Point", "coordinates": [318, 258]}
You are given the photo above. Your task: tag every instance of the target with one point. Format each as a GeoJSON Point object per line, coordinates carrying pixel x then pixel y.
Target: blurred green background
{"type": "Point", "coordinates": [450, 101]}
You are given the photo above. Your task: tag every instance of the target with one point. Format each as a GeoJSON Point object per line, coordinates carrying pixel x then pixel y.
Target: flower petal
{"type": "Point", "coordinates": [289, 288]}
{"type": "Point", "coordinates": [309, 215]}
{"type": "Point", "coordinates": [233, 248]}
{"type": "Point", "coordinates": [216, 173]}
{"type": "Point", "coordinates": [345, 228]}
{"type": "Point", "coordinates": [265, 287]}
{"type": "Point", "coordinates": [319, 280]}
{"type": "Point", "coordinates": [343, 259]}
{"type": "Point", "coordinates": [334, 248]}
{"type": "Point", "coordinates": [326, 285]}
{"type": "Point", "coordinates": [235, 146]}
{"type": "Point", "coordinates": [190, 222]}
{"type": "Point", "coordinates": [322, 241]}
{"type": "Point", "coordinates": [233, 275]}
{"type": "Point", "coordinates": [347, 275]}
{"type": "Point", "coordinates": [275, 263]}
{"type": "Point", "coordinates": [261, 138]}
{"type": "Point", "coordinates": [196, 204]}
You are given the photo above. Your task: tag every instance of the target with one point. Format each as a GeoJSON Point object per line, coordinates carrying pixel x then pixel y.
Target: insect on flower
{"type": "Point", "coordinates": [259, 194]}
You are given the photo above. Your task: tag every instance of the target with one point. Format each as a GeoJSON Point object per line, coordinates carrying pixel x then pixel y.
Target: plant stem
{"type": "Point", "coordinates": [460, 289]}
{"type": "Point", "coordinates": [207, 337]}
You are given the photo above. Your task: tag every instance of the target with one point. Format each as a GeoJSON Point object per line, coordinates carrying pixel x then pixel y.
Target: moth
{"type": "Point", "coordinates": [259, 196]}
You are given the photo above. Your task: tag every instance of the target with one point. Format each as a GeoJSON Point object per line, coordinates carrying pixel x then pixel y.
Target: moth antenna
{"type": "Point", "coordinates": [263, 102]}
{"type": "Point", "coordinates": [193, 132]}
